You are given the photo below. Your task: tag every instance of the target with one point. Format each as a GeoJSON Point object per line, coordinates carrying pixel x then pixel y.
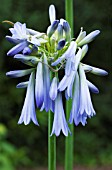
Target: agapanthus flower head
{"type": "Point", "coordinates": [46, 54]}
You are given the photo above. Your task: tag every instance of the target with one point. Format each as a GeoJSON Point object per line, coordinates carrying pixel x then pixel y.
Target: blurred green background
{"type": "Point", "coordinates": [26, 146]}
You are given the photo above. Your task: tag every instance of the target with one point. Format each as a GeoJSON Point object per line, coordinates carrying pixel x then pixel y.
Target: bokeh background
{"type": "Point", "coordinates": [26, 146]}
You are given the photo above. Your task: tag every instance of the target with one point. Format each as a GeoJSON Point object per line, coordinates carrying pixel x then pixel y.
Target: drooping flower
{"type": "Point", "coordinates": [85, 104]}
{"type": "Point", "coordinates": [47, 100]}
{"type": "Point", "coordinates": [39, 86]}
{"type": "Point", "coordinates": [75, 102]}
{"type": "Point", "coordinates": [59, 122]}
{"type": "Point", "coordinates": [28, 112]}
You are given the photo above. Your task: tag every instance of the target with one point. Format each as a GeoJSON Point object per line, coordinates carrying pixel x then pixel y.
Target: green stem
{"type": "Point", "coordinates": [69, 139]}
{"type": "Point", "coordinates": [51, 144]}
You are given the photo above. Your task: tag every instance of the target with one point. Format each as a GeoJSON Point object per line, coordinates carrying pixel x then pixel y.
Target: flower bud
{"type": "Point", "coordinates": [60, 31]}
{"type": "Point", "coordinates": [67, 30]}
{"type": "Point", "coordinates": [81, 35]}
{"type": "Point", "coordinates": [52, 13]}
{"type": "Point", "coordinates": [61, 44]}
{"type": "Point", "coordinates": [53, 28]}
{"type": "Point", "coordinates": [22, 84]}
{"type": "Point", "coordinates": [27, 51]}
{"type": "Point", "coordinates": [90, 37]}
{"type": "Point", "coordinates": [19, 73]}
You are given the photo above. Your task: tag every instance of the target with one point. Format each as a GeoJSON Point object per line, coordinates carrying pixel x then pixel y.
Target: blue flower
{"type": "Point", "coordinates": [23, 37]}
{"type": "Point", "coordinates": [75, 102]}
{"type": "Point", "coordinates": [47, 100]}
{"type": "Point", "coordinates": [28, 112]}
{"type": "Point", "coordinates": [85, 104]}
{"type": "Point", "coordinates": [39, 86]}
{"type": "Point", "coordinates": [59, 122]}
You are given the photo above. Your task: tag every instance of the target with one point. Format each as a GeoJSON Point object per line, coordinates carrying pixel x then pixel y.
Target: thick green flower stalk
{"type": "Point", "coordinates": [46, 54]}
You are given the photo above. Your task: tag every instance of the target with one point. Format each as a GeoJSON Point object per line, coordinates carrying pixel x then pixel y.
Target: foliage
{"type": "Point", "coordinates": [10, 156]}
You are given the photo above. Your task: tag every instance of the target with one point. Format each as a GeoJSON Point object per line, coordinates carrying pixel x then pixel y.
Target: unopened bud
{"type": "Point", "coordinates": [61, 44]}
{"type": "Point", "coordinates": [90, 37]}
{"type": "Point", "coordinates": [53, 28]}
{"type": "Point", "coordinates": [27, 51]}
{"type": "Point", "coordinates": [67, 30]}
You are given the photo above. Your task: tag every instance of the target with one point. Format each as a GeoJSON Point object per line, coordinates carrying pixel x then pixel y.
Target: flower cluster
{"type": "Point", "coordinates": [46, 54]}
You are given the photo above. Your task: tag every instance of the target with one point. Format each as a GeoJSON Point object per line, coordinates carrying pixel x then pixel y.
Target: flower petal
{"type": "Point", "coordinates": [18, 48]}
{"type": "Point", "coordinates": [13, 40]}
